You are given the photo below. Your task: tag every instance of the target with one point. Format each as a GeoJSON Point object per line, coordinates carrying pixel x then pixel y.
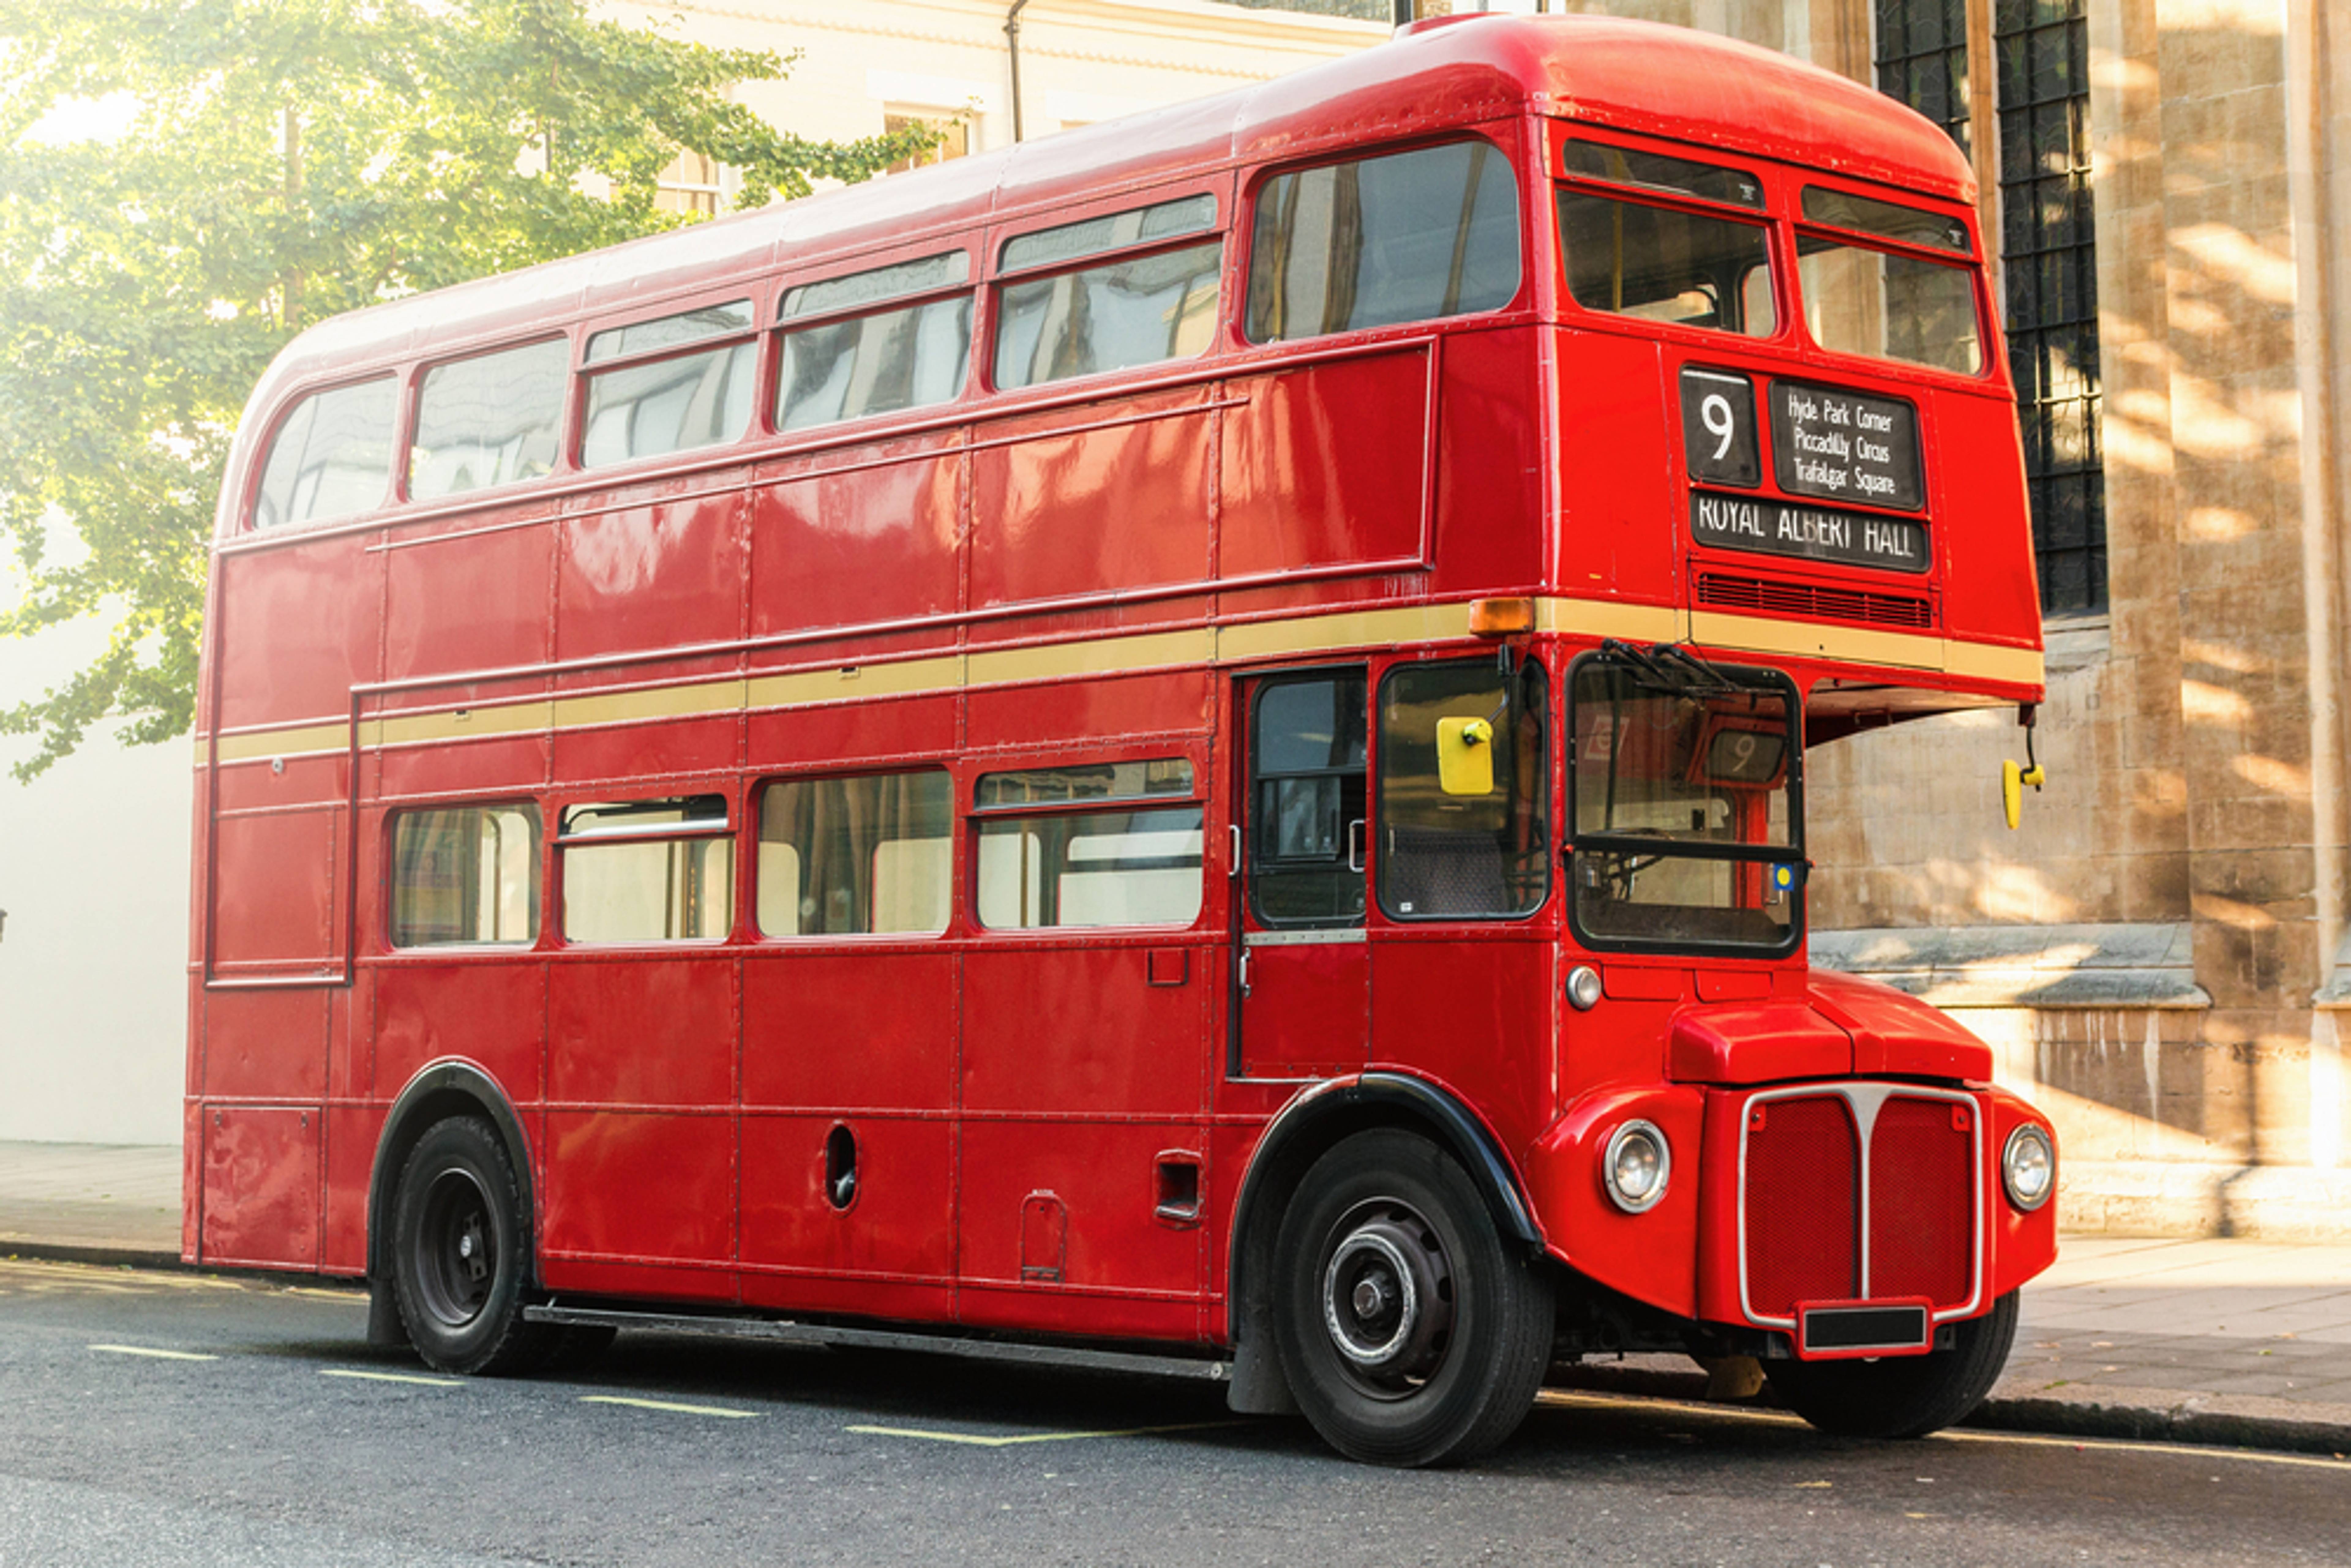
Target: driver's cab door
{"type": "Point", "coordinates": [1303, 972]}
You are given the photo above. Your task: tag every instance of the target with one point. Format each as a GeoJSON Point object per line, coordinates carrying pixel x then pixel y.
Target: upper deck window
{"type": "Point", "coordinates": [1886, 304]}
{"type": "Point", "coordinates": [1911, 226]}
{"type": "Point", "coordinates": [1662, 264]}
{"type": "Point", "coordinates": [1409, 237]}
{"type": "Point", "coordinates": [1656, 171]}
{"type": "Point", "coordinates": [1117, 231]}
{"type": "Point", "coordinates": [489, 420]}
{"type": "Point", "coordinates": [877, 285]}
{"type": "Point", "coordinates": [672, 404]}
{"type": "Point", "coordinates": [332, 458]}
{"type": "Point", "coordinates": [1134, 311]}
{"type": "Point", "coordinates": [878, 362]}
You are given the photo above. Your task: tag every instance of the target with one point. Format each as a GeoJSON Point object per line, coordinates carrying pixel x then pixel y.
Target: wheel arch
{"type": "Point", "coordinates": [1302, 1133]}
{"type": "Point", "coordinates": [439, 1091]}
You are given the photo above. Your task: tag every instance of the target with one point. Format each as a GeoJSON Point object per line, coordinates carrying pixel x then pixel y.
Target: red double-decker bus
{"type": "Point", "coordinates": [1187, 738]}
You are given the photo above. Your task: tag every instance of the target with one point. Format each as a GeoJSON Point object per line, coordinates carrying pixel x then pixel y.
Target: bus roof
{"type": "Point", "coordinates": [1639, 77]}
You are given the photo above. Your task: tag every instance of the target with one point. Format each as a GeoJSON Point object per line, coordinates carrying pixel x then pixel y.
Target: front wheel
{"type": "Point", "coordinates": [460, 1252]}
{"type": "Point", "coordinates": [1901, 1396]}
{"type": "Point", "coordinates": [1410, 1335]}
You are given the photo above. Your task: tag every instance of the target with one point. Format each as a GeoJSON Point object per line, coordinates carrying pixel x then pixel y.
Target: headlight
{"type": "Point", "coordinates": [1635, 1167]}
{"type": "Point", "coordinates": [1583, 987]}
{"type": "Point", "coordinates": [2028, 1168]}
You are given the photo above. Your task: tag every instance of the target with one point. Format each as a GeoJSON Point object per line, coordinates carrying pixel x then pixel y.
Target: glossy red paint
{"type": "Point", "coordinates": [1077, 573]}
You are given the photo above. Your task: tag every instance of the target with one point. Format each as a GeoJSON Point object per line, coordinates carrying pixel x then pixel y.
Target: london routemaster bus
{"type": "Point", "coordinates": [1184, 740]}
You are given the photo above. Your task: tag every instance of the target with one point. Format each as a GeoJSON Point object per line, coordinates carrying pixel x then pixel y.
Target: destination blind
{"type": "Point", "coordinates": [1810, 533]}
{"type": "Point", "coordinates": [1845, 446]}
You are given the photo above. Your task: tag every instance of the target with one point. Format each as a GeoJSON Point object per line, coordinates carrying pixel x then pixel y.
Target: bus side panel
{"type": "Point", "coordinates": [351, 1134]}
{"type": "Point", "coordinates": [664, 750]}
{"type": "Point", "coordinates": [1079, 1076]}
{"type": "Point", "coordinates": [1177, 703]}
{"type": "Point", "coordinates": [492, 1014]}
{"type": "Point", "coordinates": [1325, 465]}
{"type": "Point", "coordinates": [1622, 521]}
{"type": "Point", "coordinates": [667, 573]}
{"type": "Point", "coordinates": [478, 601]}
{"type": "Point", "coordinates": [888, 1252]}
{"type": "Point", "coordinates": [876, 535]}
{"type": "Point", "coordinates": [1986, 551]}
{"type": "Point", "coordinates": [1057, 512]}
{"type": "Point", "coordinates": [865, 1041]}
{"type": "Point", "coordinates": [276, 888]}
{"type": "Point", "coordinates": [518, 763]}
{"type": "Point", "coordinates": [845, 734]}
{"type": "Point", "coordinates": [261, 1186]}
{"type": "Point", "coordinates": [1475, 1015]}
{"type": "Point", "coordinates": [640, 1149]}
{"type": "Point", "coordinates": [298, 630]}
{"type": "Point", "coordinates": [1490, 464]}
{"type": "Point", "coordinates": [266, 1044]}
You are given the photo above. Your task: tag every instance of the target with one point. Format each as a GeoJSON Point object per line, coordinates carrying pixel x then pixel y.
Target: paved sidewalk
{"type": "Point", "coordinates": [103, 1203]}
{"type": "Point", "coordinates": [2244, 1342]}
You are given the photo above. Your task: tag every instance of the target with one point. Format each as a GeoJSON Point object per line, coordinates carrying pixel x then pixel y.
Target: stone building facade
{"type": "Point", "coordinates": [2160, 951]}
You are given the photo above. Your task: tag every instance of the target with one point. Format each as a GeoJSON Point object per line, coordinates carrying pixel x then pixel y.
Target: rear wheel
{"type": "Point", "coordinates": [1901, 1396]}
{"type": "Point", "coordinates": [1409, 1333]}
{"type": "Point", "coordinates": [460, 1253]}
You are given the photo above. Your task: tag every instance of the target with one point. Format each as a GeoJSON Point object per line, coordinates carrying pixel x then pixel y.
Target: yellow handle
{"type": "Point", "coordinates": [2012, 780]}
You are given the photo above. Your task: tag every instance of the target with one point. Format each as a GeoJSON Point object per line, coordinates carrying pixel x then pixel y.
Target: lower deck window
{"type": "Point", "coordinates": [1092, 868]}
{"type": "Point", "coordinates": [849, 856]}
{"type": "Point", "coordinates": [464, 876]}
{"type": "Point", "coordinates": [648, 870]}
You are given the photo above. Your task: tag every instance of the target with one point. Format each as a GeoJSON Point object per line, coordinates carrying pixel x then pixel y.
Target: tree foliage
{"type": "Point", "coordinates": [283, 161]}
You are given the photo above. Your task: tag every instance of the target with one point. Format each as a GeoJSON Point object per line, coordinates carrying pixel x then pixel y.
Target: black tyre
{"type": "Point", "coordinates": [461, 1249]}
{"type": "Point", "coordinates": [1900, 1396]}
{"type": "Point", "coordinates": [1410, 1335]}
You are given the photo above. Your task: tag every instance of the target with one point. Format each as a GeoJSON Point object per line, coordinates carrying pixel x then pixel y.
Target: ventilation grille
{"type": "Point", "coordinates": [1761, 596]}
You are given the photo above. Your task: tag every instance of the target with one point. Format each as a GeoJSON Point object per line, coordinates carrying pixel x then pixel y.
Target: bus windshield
{"type": "Point", "coordinates": [1686, 804]}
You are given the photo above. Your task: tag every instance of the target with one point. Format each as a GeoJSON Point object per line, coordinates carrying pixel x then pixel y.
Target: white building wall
{"type": "Point", "coordinates": [94, 854]}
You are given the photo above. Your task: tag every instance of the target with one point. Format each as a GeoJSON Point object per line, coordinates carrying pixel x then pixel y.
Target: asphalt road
{"type": "Point", "coordinates": [169, 1418]}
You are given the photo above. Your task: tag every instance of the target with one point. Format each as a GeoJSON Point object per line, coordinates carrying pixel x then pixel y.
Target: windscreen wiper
{"type": "Point", "coordinates": [1672, 667]}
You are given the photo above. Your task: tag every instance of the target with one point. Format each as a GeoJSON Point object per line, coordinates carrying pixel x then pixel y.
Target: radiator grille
{"type": "Point", "coordinates": [1802, 1201]}
{"type": "Point", "coordinates": [1921, 1201]}
{"type": "Point", "coordinates": [1804, 1212]}
{"type": "Point", "coordinates": [1725, 590]}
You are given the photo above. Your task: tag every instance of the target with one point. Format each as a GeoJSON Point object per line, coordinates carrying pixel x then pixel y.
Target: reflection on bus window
{"type": "Point", "coordinates": [1134, 312]}
{"type": "Point", "coordinates": [1685, 831]}
{"type": "Point", "coordinates": [1664, 265]}
{"type": "Point", "coordinates": [1117, 231]}
{"type": "Point", "coordinates": [465, 875]}
{"type": "Point", "coordinates": [1091, 869]}
{"type": "Point", "coordinates": [332, 458]}
{"type": "Point", "coordinates": [670, 331]}
{"type": "Point", "coordinates": [1889, 306]}
{"type": "Point", "coordinates": [1630, 166]}
{"type": "Point", "coordinates": [875, 364]}
{"type": "Point", "coordinates": [856, 855]}
{"type": "Point", "coordinates": [1408, 238]}
{"type": "Point", "coordinates": [489, 420]}
{"type": "Point", "coordinates": [1445, 850]}
{"type": "Point", "coordinates": [648, 870]}
{"type": "Point", "coordinates": [1085, 781]}
{"type": "Point", "coordinates": [669, 405]}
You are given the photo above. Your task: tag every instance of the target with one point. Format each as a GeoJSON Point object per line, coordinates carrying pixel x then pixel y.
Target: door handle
{"type": "Point", "coordinates": [1244, 969]}
{"type": "Point", "coordinates": [1355, 846]}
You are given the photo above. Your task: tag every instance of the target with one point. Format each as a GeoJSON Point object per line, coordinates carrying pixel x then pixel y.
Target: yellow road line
{"type": "Point", "coordinates": [157, 1354]}
{"type": "Point", "coordinates": [392, 1377]}
{"type": "Point", "coordinates": [977, 1441]}
{"type": "Point", "coordinates": [2026, 1439]}
{"type": "Point", "coordinates": [664, 1405]}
